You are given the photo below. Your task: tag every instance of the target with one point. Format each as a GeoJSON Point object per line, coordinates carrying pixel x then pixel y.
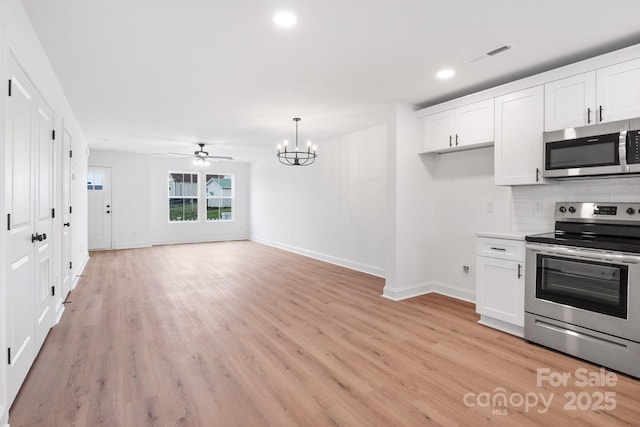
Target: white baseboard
{"type": "Point", "coordinates": [76, 278]}
{"type": "Point", "coordinates": [206, 240]}
{"type": "Point", "coordinates": [352, 265]}
{"type": "Point", "coordinates": [454, 292]}
{"type": "Point", "coordinates": [133, 245]}
{"type": "Point", "coordinates": [405, 292]}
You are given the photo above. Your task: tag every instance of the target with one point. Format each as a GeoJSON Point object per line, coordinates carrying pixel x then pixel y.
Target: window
{"type": "Point", "coordinates": [183, 196]}
{"type": "Point", "coordinates": [219, 195]}
{"type": "Point", "coordinates": [95, 180]}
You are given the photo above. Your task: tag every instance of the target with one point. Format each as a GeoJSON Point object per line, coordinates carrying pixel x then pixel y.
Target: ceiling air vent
{"type": "Point", "coordinates": [486, 55]}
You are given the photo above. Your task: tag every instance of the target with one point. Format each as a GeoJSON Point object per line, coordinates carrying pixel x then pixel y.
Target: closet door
{"type": "Point", "coordinates": [20, 221]}
{"type": "Point", "coordinates": [28, 168]}
{"type": "Point", "coordinates": [43, 173]}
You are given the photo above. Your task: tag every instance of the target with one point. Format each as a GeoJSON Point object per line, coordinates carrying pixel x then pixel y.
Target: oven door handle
{"type": "Point", "coordinates": [578, 253]}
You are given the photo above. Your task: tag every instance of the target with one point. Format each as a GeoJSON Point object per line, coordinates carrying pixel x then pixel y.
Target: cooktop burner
{"type": "Point", "coordinates": [604, 226]}
{"type": "Point", "coordinates": [608, 243]}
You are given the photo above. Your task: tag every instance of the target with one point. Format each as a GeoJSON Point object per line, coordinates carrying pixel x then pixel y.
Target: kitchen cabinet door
{"type": "Point", "coordinates": [500, 289]}
{"type": "Point", "coordinates": [437, 131]}
{"type": "Point", "coordinates": [474, 123]}
{"type": "Point", "coordinates": [618, 91]}
{"type": "Point", "coordinates": [465, 127]}
{"type": "Point", "coordinates": [519, 147]}
{"type": "Point", "coordinates": [570, 102]}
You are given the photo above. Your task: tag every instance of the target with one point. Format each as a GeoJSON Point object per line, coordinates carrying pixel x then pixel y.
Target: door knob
{"type": "Point", "coordinates": [67, 224]}
{"type": "Point", "coordinates": [108, 211]}
{"type": "Point", "coordinates": [34, 237]}
{"type": "Point", "coordinates": [44, 236]}
{"type": "Point", "coordinates": [108, 206]}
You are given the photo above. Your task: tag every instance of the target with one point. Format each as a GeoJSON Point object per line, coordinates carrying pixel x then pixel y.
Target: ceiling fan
{"type": "Point", "coordinates": [201, 155]}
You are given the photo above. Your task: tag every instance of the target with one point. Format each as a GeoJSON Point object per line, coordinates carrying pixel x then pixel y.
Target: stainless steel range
{"type": "Point", "coordinates": [582, 284]}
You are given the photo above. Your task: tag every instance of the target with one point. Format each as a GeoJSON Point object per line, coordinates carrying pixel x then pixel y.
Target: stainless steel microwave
{"type": "Point", "coordinates": [603, 149]}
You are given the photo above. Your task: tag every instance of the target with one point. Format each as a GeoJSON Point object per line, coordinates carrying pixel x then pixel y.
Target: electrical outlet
{"type": "Point", "coordinates": [488, 206]}
{"type": "Point", "coordinates": [538, 208]}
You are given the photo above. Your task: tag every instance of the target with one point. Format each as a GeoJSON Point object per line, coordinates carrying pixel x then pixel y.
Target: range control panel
{"type": "Point", "coordinates": [597, 212]}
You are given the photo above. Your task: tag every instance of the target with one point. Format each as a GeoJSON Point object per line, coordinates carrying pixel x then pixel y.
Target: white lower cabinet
{"type": "Point", "coordinates": [500, 284]}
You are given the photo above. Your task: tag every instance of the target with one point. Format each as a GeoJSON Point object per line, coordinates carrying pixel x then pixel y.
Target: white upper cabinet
{"type": "Point", "coordinates": [474, 123]}
{"type": "Point", "coordinates": [604, 95]}
{"type": "Point", "coordinates": [437, 131]}
{"type": "Point", "coordinates": [518, 137]}
{"type": "Point", "coordinates": [619, 91]}
{"type": "Point", "coordinates": [570, 102]}
{"type": "Point", "coordinates": [460, 128]}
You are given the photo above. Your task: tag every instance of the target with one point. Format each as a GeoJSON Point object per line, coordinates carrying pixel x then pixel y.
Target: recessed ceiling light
{"type": "Point", "coordinates": [445, 74]}
{"type": "Point", "coordinates": [285, 19]}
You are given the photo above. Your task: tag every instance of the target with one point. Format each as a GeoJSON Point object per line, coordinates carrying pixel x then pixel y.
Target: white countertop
{"type": "Point", "coordinates": [506, 234]}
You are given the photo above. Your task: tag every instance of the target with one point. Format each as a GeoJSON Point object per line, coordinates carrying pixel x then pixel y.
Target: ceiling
{"type": "Point", "coordinates": [156, 76]}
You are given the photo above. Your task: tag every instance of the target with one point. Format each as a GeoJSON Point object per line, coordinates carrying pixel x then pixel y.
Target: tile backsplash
{"type": "Point", "coordinates": [532, 207]}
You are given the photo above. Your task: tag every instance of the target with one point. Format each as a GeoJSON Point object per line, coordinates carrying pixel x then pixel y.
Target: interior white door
{"type": "Point", "coordinates": [99, 191]}
{"type": "Point", "coordinates": [66, 214]}
{"type": "Point", "coordinates": [43, 174]}
{"type": "Point", "coordinates": [19, 162]}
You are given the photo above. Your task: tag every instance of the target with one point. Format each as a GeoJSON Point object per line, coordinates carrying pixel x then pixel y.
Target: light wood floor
{"type": "Point", "coordinates": [240, 334]}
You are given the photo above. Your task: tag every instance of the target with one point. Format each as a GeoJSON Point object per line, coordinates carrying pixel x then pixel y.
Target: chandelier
{"type": "Point", "coordinates": [297, 157]}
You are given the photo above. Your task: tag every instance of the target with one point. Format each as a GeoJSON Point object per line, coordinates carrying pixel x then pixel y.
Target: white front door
{"type": "Point", "coordinates": [66, 215]}
{"type": "Point", "coordinates": [28, 171]}
{"type": "Point", "coordinates": [99, 191]}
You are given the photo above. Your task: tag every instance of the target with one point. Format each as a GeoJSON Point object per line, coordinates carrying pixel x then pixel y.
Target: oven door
{"type": "Point", "coordinates": [584, 287]}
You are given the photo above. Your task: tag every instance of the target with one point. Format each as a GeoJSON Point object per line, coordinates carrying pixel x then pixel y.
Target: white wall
{"type": "Point", "coordinates": [411, 210]}
{"type": "Point", "coordinates": [440, 203]}
{"type": "Point", "coordinates": [334, 210]}
{"type": "Point", "coordinates": [140, 200]}
{"type": "Point", "coordinates": [164, 232]}
{"type": "Point", "coordinates": [130, 196]}
{"type": "Point", "coordinates": [463, 193]}
{"type": "Point", "coordinates": [19, 36]}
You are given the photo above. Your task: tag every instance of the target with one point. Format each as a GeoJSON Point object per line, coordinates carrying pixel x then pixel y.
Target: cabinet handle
{"type": "Point", "coordinates": [519, 271]}
{"type": "Point", "coordinates": [450, 141]}
{"type": "Point", "coordinates": [537, 175]}
{"type": "Point", "coordinates": [589, 115]}
{"type": "Point", "coordinates": [456, 139]}
{"type": "Point", "coordinates": [601, 113]}
{"type": "Point", "coordinates": [498, 249]}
